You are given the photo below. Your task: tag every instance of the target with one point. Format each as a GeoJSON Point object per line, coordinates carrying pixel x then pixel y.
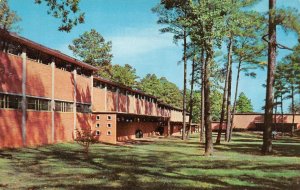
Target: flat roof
{"type": "Point", "coordinates": [55, 53]}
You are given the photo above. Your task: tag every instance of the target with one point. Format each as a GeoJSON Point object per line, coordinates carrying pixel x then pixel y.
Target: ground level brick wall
{"type": "Point", "coordinates": [175, 128]}
{"type": "Point", "coordinates": [126, 130]}
{"type": "Point", "coordinates": [10, 128]}
{"type": "Point", "coordinates": [106, 127]}
{"type": "Point", "coordinates": [38, 128]}
{"type": "Point", "coordinates": [63, 127]}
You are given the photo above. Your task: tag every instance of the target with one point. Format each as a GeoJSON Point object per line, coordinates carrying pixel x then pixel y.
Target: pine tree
{"type": "Point", "coordinates": [92, 48]}
{"type": "Point", "coordinates": [174, 15]}
{"type": "Point", "coordinates": [125, 75]}
{"type": "Point", "coordinates": [289, 19]}
{"type": "Point", "coordinates": [8, 18]}
{"type": "Point", "coordinates": [67, 11]}
{"type": "Point", "coordinates": [243, 104]}
{"type": "Point", "coordinates": [207, 29]}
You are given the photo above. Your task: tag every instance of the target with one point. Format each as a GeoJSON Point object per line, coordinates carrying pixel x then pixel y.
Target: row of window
{"type": "Point", "coordinates": [108, 117]}
{"type": "Point", "coordinates": [14, 102]}
{"type": "Point", "coordinates": [108, 133]}
{"type": "Point", "coordinates": [108, 125]}
{"type": "Point", "coordinates": [10, 101]}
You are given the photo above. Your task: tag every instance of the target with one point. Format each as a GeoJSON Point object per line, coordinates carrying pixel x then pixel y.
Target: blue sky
{"type": "Point", "coordinates": [132, 28]}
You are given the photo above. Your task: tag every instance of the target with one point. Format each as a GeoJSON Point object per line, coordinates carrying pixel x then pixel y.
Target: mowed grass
{"type": "Point", "coordinates": [165, 163]}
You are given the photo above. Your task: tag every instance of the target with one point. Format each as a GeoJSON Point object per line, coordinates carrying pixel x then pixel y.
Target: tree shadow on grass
{"type": "Point", "coordinates": [143, 167]}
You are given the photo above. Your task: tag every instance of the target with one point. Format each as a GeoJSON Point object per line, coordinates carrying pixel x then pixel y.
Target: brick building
{"type": "Point", "coordinates": [46, 95]}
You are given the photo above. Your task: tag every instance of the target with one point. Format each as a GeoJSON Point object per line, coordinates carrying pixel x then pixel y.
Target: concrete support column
{"type": "Point", "coordinates": [105, 96]}
{"type": "Point", "coordinates": [52, 101]}
{"type": "Point", "coordinates": [24, 57]}
{"type": "Point", "coordinates": [169, 127]}
{"type": "Point", "coordinates": [117, 100]}
{"type": "Point", "coordinates": [92, 92]}
{"type": "Point", "coordinates": [75, 102]}
{"type": "Point", "coordinates": [127, 106]}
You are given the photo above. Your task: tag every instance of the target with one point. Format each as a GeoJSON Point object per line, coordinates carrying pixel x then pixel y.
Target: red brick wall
{"type": "Point", "coordinates": [122, 102]}
{"type": "Point", "coordinates": [64, 126]}
{"type": "Point", "coordinates": [84, 120]}
{"type": "Point", "coordinates": [126, 130]}
{"type": "Point", "coordinates": [131, 104]}
{"type": "Point", "coordinates": [138, 106]}
{"type": "Point", "coordinates": [39, 79]}
{"type": "Point", "coordinates": [10, 128]}
{"type": "Point", "coordinates": [83, 89]}
{"type": "Point", "coordinates": [103, 128]}
{"type": "Point", "coordinates": [241, 122]}
{"type": "Point", "coordinates": [175, 128]}
{"type": "Point", "coordinates": [10, 73]}
{"type": "Point", "coordinates": [38, 128]}
{"type": "Point", "coordinates": [215, 126]}
{"type": "Point", "coordinates": [99, 100]}
{"type": "Point", "coordinates": [111, 101]}
{"type": "Point", "coordinates": [64, 85]}
{"type": "Point", "coordinates": [142, 106]}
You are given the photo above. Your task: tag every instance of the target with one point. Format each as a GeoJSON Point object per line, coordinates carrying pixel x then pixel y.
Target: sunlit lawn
{"type": "Point", "coordinates": [162, 164]}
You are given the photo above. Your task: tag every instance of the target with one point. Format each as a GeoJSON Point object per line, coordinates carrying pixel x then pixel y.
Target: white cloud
{"type": "Point", "coordinates": [134, 42]}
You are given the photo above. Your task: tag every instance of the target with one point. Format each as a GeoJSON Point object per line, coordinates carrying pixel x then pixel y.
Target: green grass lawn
{"type": "Point", "coordinates": [162, 164]}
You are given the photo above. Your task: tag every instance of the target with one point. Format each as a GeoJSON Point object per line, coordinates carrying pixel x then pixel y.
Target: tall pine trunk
{"type": "Point", "coordinates": [191, 98]}
{"type": "Point", "coordinates": [207, 105]}
{"type": "Point", "coordinates": [228, 117]}
{"type": "Point", "coordinates": [235, 97]}
{"type": "Point", "coordinates": [184, 85]}
{"type": "Point", "coordinates": [275, 118]}
{"type": "Point", "coordinates": [202, 95]}
{"type": "Point", "coordinates": [293, 104]}
{"type": "Point", "coordinates": [229, 71]}
{"type": "Point", "coordinates": [225, 94]}
{"type": "Point", "coordinates": [281, 107]}
{"type": "Point", "coordinates": [267, 135]}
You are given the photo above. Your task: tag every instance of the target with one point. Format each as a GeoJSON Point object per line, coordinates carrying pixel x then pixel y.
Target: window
{"type": "Point", "coordinates": [38, 104]}
{"type": "Point", "coordinates": [98, 84]}
{"type": "Point", "coordinates": [111, 88]}
{"type": "Point", "coordinates": [97, 125]}
{"type": "Point", "coordinates": [83, 108]}
{"type": "Point", "coordinates": [14, 102]}
{"type": "Point", "coordinates": [63, 106]}
{"type": "Point", "coordinates": [2, 100]}
{"type": "Point", "coordinates": [10, 101]}
{"type": "Point", "coordinates": [108, 117]}
{"type": "Point", "coordinates": [97, 133]}
{"type": "Point", "coordinates": [98, 117]}
{"type": "Point", "coordinates": [68, 107]}
{"type": "Point", "coordinates": [109, 125]}
{"type": "Point", "coordinates": [108, 133]}
{"type": "Point", "coordinates": [32, 104]}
